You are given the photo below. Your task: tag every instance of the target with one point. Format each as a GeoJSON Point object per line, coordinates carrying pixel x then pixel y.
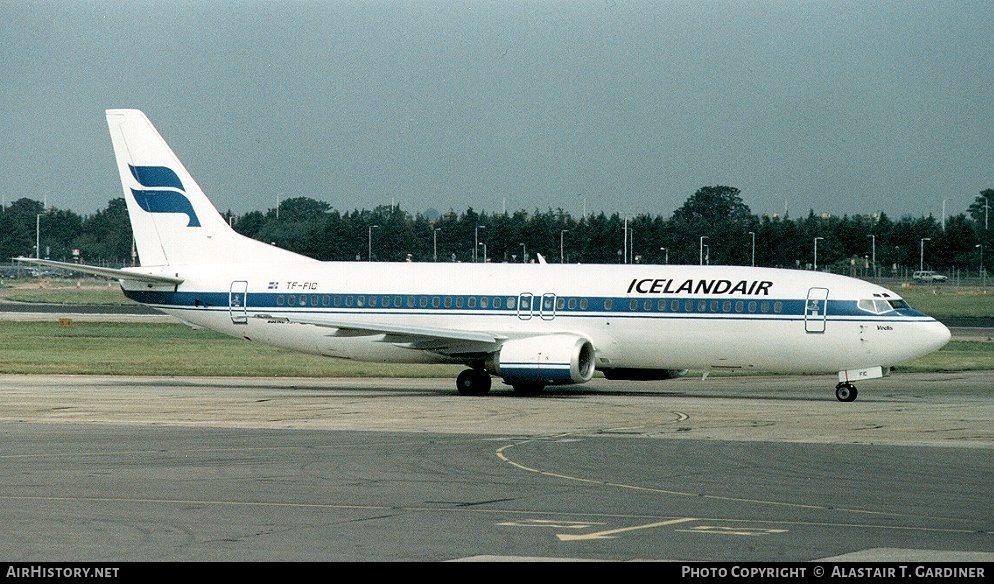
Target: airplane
{"type": "Point", "coordinates": [531, 325]}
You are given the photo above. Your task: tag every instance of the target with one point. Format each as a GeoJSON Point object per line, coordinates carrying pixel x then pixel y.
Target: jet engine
{"type": "Point", "coordinates": [544, 360]}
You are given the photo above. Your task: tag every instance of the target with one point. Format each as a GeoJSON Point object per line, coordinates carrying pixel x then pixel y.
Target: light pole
{"type": "Point", "coordinates": [707, 253]}
{"type": "Point", "coordinates": [874, 256]}
{"type": "Point", "coordinates": [667, 252]}
{"type": "Point", "coordinates": [369, 244]}
{"type": "Point", "coordinates": [703, 237]}
{"type": "Point", "coordinates": [38, 236]}
{"type": "Point", "coordinates": [753, 234]}
{"type": "Point", "coordinates": [561, 256]}
{"type": "Point", "coordinates": [476, 240]}
{"type": "Point", "coordinates": [524, 254]}
{"type": "Point", "coordinates": [983, 273]}
{"type": "Point", "coordinates": [434, 244]}
{"type": "Point", "coordinates": [921, 253]}
{"type": "Point", "coordinates": [816, 252]}
{"type": "Point", "coordinates": [484, 251]}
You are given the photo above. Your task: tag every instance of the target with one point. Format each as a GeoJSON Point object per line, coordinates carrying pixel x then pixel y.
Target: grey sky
{"type": "Point", "coordinates": [628, 107]}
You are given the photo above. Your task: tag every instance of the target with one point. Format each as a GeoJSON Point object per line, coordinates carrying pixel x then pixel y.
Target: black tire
{"type": "Point", "coordinates": [846, 392]}
{"type": "Point", "coordinates": [473, 382]}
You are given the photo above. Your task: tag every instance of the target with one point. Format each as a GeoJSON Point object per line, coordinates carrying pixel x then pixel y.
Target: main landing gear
{"type": "Point", "coordinates": [845, 391]}
{"type": "Point", "coordinates": [473, 382]}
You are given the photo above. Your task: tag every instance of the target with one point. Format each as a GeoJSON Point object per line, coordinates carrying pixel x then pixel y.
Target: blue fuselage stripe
{"type": "Point", "coordinates": [539, 307]}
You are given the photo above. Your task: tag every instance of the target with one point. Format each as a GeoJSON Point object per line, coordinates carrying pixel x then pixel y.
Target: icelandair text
{"type": "Point", "coordinates": [667, 286]}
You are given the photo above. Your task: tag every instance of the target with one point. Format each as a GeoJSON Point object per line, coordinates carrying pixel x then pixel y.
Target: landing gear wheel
{"type": "Point", "coordinates": [527, 389]}
{"type": "Point", "coordinates": [846, 392]}
{"type": "Point", "coordinates": [473, 382]}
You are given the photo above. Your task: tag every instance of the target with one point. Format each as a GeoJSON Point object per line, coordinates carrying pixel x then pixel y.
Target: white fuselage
{"type": "Point", "coordinates": [635, 316]}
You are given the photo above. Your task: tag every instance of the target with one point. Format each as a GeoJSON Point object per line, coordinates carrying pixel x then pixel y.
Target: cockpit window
{"type": "Point", "coordinates": [879, 305]}
{"type": "Point", "coordinates": [898, 303]}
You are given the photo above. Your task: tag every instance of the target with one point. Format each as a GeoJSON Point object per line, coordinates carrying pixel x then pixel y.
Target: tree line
{"type": "Point", "coordinates": [713, 226]}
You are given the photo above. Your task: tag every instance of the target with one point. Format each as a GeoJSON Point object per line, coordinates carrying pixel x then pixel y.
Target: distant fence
{"type": "Point", "coordinates": [893, 278]}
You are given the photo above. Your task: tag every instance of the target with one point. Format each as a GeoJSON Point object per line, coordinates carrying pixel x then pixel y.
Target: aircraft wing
{"type": "Point", "coordinates": [113, 273]}
{"type": "Point", "coordinates": [441, 340]}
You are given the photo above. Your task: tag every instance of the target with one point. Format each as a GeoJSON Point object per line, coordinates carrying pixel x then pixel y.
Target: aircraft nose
{"type": "Point", "coordinates": [937, 335]}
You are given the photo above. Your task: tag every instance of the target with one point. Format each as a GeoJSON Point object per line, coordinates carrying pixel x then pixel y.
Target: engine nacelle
{"type": "Point", "coordinates": [545, 360]}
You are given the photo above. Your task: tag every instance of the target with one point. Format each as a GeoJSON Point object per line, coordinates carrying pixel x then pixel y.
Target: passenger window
{"type": "Point", "coordinates": [607, 304]}
{"type": "Point", "coordinates": [633, 304]}
{"type": "Point", "coordinates": [778, 307]}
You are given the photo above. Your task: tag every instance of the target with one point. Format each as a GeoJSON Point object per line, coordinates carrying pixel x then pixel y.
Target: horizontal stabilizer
{"type": "Point", "coordinates": [112, 273]}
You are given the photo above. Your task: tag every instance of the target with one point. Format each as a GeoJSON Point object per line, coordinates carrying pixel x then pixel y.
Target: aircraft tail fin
{"type": "Point", "coordinates": [173, 221]}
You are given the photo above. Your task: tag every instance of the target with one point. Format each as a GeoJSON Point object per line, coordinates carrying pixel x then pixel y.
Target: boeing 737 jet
{"type": "Point", "coordinates": [530, 325]}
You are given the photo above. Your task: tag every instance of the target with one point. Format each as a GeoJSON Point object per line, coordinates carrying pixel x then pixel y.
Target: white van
{"type": "Point", "coordinates": [928, 277]}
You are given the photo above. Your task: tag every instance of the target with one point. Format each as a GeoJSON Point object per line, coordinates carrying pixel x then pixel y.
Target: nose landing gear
{"type": "Point", "coordinates": [845, 391]}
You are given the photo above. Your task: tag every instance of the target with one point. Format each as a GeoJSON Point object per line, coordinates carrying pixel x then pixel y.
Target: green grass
{"type": "Point", "coordinates": [956, 356]}
{"type": "Point", "coordinates": [99, 348]}
{"type": "Point", "coordinates": [64, 291]}
{"type": "Point", "coordinates": [176, 349]}
{"type": "Point", "coordinates": [945, 301]}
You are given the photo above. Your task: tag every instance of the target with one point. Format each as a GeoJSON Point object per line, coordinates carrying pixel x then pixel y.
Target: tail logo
{"type": "Point", "coordinates": [171, 200]}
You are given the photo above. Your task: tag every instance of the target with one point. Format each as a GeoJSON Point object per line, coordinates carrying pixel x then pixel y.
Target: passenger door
{"type": "Point", "coordinates": [237, 298]}
{"type": "Point", "coordinates": [816, 310]}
